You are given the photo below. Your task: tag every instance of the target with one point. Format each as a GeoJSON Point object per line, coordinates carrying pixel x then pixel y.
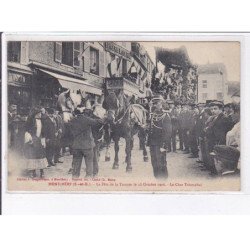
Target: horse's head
{"type": "Point", "coordinates": [111, 104]}
{"type": "Point", "coordinates": [99, 111]}
{"type": "Point", "coordinates": [68, 101]}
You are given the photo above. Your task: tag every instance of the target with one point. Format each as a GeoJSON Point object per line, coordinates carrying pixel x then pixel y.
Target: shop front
{"type": "Point", "coordinates": [49, 85]}
{"type": "Point", "coordinates": [19, 103]}
{"type": "Point", "coordinates": [19, 91]}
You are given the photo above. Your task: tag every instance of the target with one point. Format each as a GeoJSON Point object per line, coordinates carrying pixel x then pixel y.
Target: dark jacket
{"type": "Point", "coordinates": [217, 129]}
{"type": "Point", "coordinates": [60, 128]}
{"type": "Point", "coordinates": [174, 118]}
{"type": "Point", "coordinates": [201, 124]}
{"type": "Point", "coordinates": [185, 120]}
{"type": "Point", "coordinates": [160, 129]}
{"type": "Point", "coordinates": [81, 130]}
{"type": "Point", "coordinates": [49, 128]}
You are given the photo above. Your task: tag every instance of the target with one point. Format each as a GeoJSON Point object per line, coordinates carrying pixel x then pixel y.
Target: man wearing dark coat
{"type": "Point", "coordinates": [217, 130]}
{"type": "Point", "coordinates": [193, 140]}
{"type": "Point", "coordinates": [159, 137]}
{"type": "Point", "coordinates": [185, 117]}
{"type": "Point", "coordinates": [50, 134]}
{"type": "Point", "coordinates": [60, 130]}
{"type": "Point", "coordinates": [83, 143]}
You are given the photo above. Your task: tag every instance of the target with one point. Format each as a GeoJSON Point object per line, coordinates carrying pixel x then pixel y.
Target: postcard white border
{"type": "Point", "coordinates": [177, 203]}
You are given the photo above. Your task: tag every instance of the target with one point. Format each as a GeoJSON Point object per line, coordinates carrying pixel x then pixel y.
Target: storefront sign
{"type": "Point", "coordinates": [117, 50]}
{"type": "Point", "coordinates": [122, 83]}
{"type": "Point", "coordinates": [114, 83]}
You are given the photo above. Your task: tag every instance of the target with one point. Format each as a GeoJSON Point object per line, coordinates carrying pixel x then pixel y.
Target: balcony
{"type": "Point", "coordinates": [125, 83]}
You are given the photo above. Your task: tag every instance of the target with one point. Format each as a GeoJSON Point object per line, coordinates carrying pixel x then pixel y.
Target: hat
{"type": "Point", "coordinates": [208, 102]}
{"type": "Point", "coordinates": [193, 105]}
{"type": "Point", "coordinates": [216, 103]}
{"type": "Point", "coordinates": [157, 98]}
{"type": "Point", "coordinates": [35, 110]}
{"type": "Point", "coordinates": [50, 111]}
{"type": "Point", "coordinates": [227, 153]}
{"type": "Point", "coordinates": [201, 104]}
{"type": "Point", "coordinates": [229, 105]}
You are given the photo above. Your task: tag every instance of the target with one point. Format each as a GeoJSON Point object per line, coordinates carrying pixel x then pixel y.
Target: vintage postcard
{"type": "Point", "coordinates": [122, 116]}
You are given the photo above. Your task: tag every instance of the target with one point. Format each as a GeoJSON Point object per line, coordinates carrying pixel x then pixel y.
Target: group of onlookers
{"type": "Point", "coordinates": [208, 131]}
{"type": "Point", "coordinates": [42, 140]}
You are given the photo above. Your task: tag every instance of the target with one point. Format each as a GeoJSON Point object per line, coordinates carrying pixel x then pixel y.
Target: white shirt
{"type": "Point", "coordinates": [38, 127]}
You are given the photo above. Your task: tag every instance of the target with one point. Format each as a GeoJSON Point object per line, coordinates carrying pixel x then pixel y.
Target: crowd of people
{"type": "Point", "coordinates": [208, 132]}
{"type": "Point", "coordinates": [41, 140]}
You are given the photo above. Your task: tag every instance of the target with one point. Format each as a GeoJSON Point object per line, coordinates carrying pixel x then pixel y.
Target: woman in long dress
{"type": "Point", "coordinates": [34, 144]}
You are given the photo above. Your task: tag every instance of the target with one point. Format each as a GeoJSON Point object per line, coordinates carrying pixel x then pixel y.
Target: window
{"type": "Point", "coordinates": [204, 85]}
{"type": "Point", "coordinates": [219, 96]}
{"type": "Point", "coordinates": [204, 81]}
{"type": "Point", "coordinates": [67, 53]}
{"type": "Point", "coordinates": [204, 96]}
{"type": "Point", "coordinates": [94, 61]}
{"type": "Point", "coordinates": [14, 51]}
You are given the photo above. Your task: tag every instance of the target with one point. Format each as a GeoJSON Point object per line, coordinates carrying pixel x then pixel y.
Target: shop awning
{"type": "Point", "coordinates": [74, 84]}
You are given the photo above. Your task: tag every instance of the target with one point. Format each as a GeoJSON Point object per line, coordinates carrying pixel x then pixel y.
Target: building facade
{"type": "Point", "coordinates": [212, 80]}
{"type": "Point", "coordinates": [39, 70]}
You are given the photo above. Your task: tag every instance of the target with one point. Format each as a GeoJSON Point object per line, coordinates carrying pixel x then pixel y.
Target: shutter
{"type": "Point", "coordinates": [102, 67]}
{"type": "Point", "coordinates": [76, 54]}
{"type": "Point", "coordinates": [86, 56]}
{"type": "Point", "coordinates": [58, 52]}
{"type": "Point", "coordinates": [23, 52]}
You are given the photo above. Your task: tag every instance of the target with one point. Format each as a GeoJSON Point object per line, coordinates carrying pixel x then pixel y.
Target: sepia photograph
{"type": "Point", "coordinates": [123, 116]}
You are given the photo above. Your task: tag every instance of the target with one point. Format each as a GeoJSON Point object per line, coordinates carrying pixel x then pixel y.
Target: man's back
{"type": "Point", "coordinates": [81, 131]}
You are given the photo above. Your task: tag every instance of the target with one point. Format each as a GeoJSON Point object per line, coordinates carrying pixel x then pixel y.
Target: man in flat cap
{"type": "Point", "coordinates": [159, 137]}
{"type": "Point", "coordinates": [226, 159]}
{"type": "Point", "coordinates": [217, 130]}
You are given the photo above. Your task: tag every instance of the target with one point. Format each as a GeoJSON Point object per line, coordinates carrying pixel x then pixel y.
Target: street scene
{"type": "Point", "coordinates": [123, 116]}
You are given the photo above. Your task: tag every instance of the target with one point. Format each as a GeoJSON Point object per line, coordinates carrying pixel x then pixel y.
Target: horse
{"type": "Point", "coordinates": [124, 117]}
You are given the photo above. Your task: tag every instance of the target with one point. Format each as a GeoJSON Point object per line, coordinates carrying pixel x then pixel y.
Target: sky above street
{"type": "Point", "coordinates": [206, 52]}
